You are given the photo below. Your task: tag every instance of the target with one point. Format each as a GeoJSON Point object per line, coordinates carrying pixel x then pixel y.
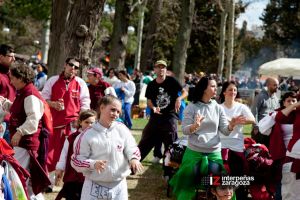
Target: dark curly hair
{"type": "Point", "coordinates": [200, 88]}
{"type": "Point", "coordinates": [23, 72]}
{"type": "Point", "coordinates": [286, 95]}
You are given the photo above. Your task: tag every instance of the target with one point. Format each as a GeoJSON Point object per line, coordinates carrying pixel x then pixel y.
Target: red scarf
{"type": "Point", "coordinates": [295, 138]}
{"type": "Point", "coordinates": [277, 147]}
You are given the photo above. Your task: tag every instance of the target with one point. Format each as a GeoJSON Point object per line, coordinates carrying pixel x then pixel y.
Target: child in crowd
{"type": "Point", "coordinates": [105, 153]}
{"type": "Point", "coordinates": [255, 135]}
{"type": "Point", "coordinates": [73, 180]}
{"type": "Point", "coordinates": [260, 167]}
{"type": "Point", "coordinates": [225, 192]}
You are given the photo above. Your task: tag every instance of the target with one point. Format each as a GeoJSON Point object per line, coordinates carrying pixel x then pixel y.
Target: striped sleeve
{"type": "Point", "coordinates": [131, 149]}
{"type": "Point", "coordinates": [80, 159]}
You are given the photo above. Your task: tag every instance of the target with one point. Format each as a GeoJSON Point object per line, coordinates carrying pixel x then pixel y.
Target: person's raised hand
{"type": "Point", "coordinates": [239, 120]}
{"type": "Point", "coordinates": [198, 119]}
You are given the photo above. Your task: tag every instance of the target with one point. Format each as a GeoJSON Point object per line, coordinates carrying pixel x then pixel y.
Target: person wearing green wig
{"type": "Point", "coordinates": [203, 119]}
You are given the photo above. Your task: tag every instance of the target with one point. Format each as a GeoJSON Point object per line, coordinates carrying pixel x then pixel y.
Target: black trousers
{"type": "Point", "coordinates": [158, 130]}
{"type": "Point", "coordinates": [70, 191]}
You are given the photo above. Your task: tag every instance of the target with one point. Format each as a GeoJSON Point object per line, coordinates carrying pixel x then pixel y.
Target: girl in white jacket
{"type": "Point", "coordinates": [105, 153]}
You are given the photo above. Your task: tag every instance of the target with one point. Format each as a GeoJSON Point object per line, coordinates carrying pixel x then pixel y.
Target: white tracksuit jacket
{"type": "Point", "coordinates": [116, 145]}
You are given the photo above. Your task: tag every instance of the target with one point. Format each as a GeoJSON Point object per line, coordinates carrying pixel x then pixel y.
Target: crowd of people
{"type": "Point", "coordinates": [42, 118]}
{"type": "Point", "coordinates": [67, 129]}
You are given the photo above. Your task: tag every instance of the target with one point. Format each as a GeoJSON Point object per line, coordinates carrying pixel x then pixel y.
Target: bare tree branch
{"type": "Point", "coordinates": [137, 3]}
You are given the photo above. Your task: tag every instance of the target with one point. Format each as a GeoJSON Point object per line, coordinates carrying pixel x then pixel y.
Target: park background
{"type": "Point", "coordinates": [192, 35]}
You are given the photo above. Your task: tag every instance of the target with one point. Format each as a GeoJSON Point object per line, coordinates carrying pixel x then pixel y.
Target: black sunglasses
{"type": "Point", "coordinates": [72, 65]}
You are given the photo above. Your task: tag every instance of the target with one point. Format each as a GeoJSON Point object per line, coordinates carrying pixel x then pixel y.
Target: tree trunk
{"type": "Point", "coordinates": [119, 35]}
{"type": "Point", "coordinates": [56, 57]}
{"type": "Point", "coordinates": [45, 41]}
{"type": "Point", "coordinates": [147, 52]}
{"type": "Point", "coordinates": [230, 38]}
{"type": "Point", "coordinates": [81, 29]}
{"type": "Point", "coordinates": [73, 31]}
{"type": "Point", "coordinates": [224, 15]}
{"type": "Point", "coordinates": [183, 38]}
{"type": "Point", "coordinates": [137, 59]}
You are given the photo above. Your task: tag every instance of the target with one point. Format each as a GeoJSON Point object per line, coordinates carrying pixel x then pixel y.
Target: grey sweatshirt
{"type": "Point", "coordinates": [206, 139]}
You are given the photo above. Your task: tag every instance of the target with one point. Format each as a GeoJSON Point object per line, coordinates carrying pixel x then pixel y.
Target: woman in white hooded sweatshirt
{"type": "Point", "coordinates": [105, 153]}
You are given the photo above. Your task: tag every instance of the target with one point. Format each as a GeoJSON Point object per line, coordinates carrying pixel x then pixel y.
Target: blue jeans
{"type": "Point", "coordinates": [127, 115]}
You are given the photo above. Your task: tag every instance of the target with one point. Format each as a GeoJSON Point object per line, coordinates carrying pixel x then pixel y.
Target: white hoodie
{"type": "Point", "coordinates": [115, 144]}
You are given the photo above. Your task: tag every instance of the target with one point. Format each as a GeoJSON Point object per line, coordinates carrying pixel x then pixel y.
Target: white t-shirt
{"type": "Point", "coordinates": [235, 141]}
{"type": "Point", "coordinates": [295, 153]}
{"type": "Point", "coordinates": [287, 133]}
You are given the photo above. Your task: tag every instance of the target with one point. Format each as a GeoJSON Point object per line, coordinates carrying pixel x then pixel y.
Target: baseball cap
{"type": "Point", "coordinates": [95, 70]}
{"type": "Point", "coordinates": [161, 62]}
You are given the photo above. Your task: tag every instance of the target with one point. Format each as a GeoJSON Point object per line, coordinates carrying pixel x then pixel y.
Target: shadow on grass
{"type": "Point", "coordinates": [149, 185]}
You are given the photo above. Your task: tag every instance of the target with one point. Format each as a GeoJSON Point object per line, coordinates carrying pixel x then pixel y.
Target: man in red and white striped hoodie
{"type": "Point", "coordinates": [67, 95]}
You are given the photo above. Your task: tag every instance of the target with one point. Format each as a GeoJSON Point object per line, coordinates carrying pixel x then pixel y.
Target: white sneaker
{"type": "Point", "coordinates": [156, 160]}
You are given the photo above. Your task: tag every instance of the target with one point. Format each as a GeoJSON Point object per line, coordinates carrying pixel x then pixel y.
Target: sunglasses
{"type": "Point", "coordinates": [72, 65]}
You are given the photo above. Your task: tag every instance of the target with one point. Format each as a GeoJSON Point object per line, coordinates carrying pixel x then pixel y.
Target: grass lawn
{"type": "Point", "coordinates": [140, 123]}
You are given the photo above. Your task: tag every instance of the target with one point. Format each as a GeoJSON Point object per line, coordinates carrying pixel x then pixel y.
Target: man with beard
{"type": "Point", "coordinates": [7, 57]}
{"type": "Point", "coordinates": [67, 95]}
{"type": "Point", "coordinates": [266, 102]}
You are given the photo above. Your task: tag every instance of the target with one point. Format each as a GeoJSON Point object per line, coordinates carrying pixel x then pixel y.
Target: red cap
{"type": "Point", "coordinates": [95, 70]}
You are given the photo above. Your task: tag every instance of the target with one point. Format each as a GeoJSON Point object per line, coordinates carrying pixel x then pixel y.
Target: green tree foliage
{"type": "Point", "coordinates": [13, 12]}
{"type": "Point", "coordinates": [203, 51]}
{"type": "Point", "coordinates": [24, 19]}
{"type": "Point", "coordinates": [253, 52]}
{"type": "Point", "coordinates": [167, 30]}
{"type": "Point", "coordinates": [281, 20]}
{"type": "Point", "coordinates": [38, 9]}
